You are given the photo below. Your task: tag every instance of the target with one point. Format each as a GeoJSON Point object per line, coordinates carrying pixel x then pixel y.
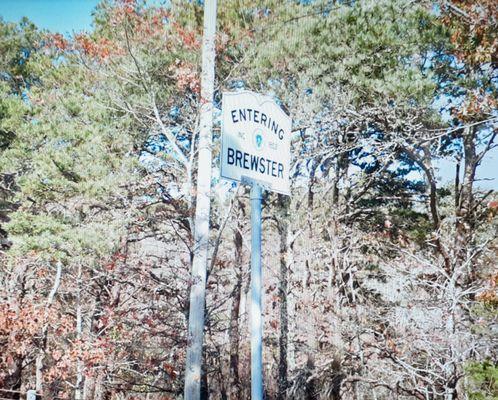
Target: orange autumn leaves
{"type": "Point", "coordinates": [474, 36]}
{"type": "Point", "coordinates": [147, 32]}
{"type": "Point", "coordinates": [98, 49]}
{"type": "Point", "coordinates": [139, 30]}
{"type": "Point", "coordinates": [21, 326]}
{"type": "Point", "coordinates": [475, 25]}
{"type": "Point", "coordinates": [477, 105]}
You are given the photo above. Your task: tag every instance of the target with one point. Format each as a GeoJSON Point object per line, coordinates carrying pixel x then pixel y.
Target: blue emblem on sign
{"type": "Point", "coordinates": [258, 139]}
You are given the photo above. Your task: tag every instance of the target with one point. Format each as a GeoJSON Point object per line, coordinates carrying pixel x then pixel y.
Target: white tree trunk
{"type": "Point", "coordinates": [79, 324]}
{"type": "Point", "coordinates": [41, 351]}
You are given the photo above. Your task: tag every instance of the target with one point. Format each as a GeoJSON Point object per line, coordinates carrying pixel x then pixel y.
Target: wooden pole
{"type": "Point", "coordinates": [202, 211]}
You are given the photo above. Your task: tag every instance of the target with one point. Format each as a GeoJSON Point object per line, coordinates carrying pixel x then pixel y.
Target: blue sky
{"type": "Point", "coordinates": [63, 16]}
{"type": "Point", "coordinates": [68, 16]}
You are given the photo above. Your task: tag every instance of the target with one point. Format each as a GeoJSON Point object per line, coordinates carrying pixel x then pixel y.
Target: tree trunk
{"type": "Point", "coordinates": [291, 302]}
{"type": "Point", "coordinates": [306, 280]}
{"type": "Point", "coordinates": [89, 388]}
{"type": "Point", "coordinates": [283, 223]}
{"type": "Point", "coordinates": [234, 334]}
{"type": "Point", "coordinates": [44, 336]}
{"type": "Point", "coordinates": [310, 391]}
{"type": "Point", "coordinates": [204, 394]}
{"type": "Point", "coordinates": [100, 389]}
{"type": "Point", "coordinates": [465, 209]}
{"type": "Point", "coordinates": [79, 329]}
{"type": "Point", "coordinates": [425, 163]}
{"type": "Point", "coordinates": [13, 380]}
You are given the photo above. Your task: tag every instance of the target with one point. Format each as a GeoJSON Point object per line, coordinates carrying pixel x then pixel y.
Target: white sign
{"type": "Point", "coordinates": [255, 140]}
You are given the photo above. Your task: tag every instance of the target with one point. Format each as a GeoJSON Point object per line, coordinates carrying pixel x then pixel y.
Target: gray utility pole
{"type": "Point", "coordinates": [202, 210]}
{"type": "Point", "coordinates": [256, 283]}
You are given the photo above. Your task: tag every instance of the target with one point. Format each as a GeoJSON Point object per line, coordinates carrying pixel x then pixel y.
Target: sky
{"type": "Point", "coordinates": [68, 16]}
{"type": "Point", "coordinates": [64, 16]}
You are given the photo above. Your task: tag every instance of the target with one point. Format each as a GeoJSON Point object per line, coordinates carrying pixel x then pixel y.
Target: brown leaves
{"type": "Point", "coordinates": [170, 370]}
{"type": "Point", "coordinates": [21, 324]}
{"type": "Point", "coordinates": [474, 29]}
{"type": "Point", "coordinates": [478, 104]}
{"type": "Point", "coordinates": [489, 296]}
{"type": "Point", "coordinates": [493, 205]}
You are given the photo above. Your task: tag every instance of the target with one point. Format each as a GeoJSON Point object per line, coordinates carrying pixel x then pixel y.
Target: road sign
{"type": "Point", "coordinates": [255, 150]}
{"type": "Point", "coordinates": [256, 135]}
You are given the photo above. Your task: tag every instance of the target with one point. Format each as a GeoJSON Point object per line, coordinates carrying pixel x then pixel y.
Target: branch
{"type": "Point", "coordinates": [218, 238]}
{"type": "Point", "coordinates": [55, 287]}
{"type": "Point", "coordinates": [171, 138]}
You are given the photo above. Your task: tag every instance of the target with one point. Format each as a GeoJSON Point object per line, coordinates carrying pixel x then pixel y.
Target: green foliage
{"type": "Point", "coordinates": [19, 43]}
{"type": "Point", "coordinates": [72, 158]}
{"type": "Point", "coordinates": [12, 111]}
{"type": "Point", "coordinates": [483, 380]}
{"type": "Point", "coordinates": [374, 50]}
{"type": "Point", "coordinates": [415, 224]}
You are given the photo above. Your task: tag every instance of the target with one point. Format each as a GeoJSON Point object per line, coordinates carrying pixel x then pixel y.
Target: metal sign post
{"type": "Point", "coordinates": [256, 283]}
{"type": "Point", "coordinates": [31, 395]}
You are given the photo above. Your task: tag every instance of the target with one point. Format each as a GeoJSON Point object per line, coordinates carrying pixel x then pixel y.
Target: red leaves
{"type": "Point", "coordinates": [19, 323]}
{"type": "Point", "coordinates": [128, 6]}
{"type": "Point", "coordinates": [142, 24]}
{"type": "Point", "coordinates": [493, 205]}
{"type": "Point", "coordinates": [189, 38]}
{"type": "Point", "coordinates": [58, 41]}
{"type": "Point", "coordinates": [187, 76]}
{"type": "Point", "coordinates": [159, 18]}
{"type": "Point", "coordinates": [100, 49]}
{"type": "Point", "coordinates": [116, 258]}
{"type": "Point", "coordinates": [170, 370]}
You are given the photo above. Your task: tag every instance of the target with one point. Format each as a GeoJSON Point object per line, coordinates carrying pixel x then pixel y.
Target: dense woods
{"type": "Point", "coordinates": [380, 278]}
